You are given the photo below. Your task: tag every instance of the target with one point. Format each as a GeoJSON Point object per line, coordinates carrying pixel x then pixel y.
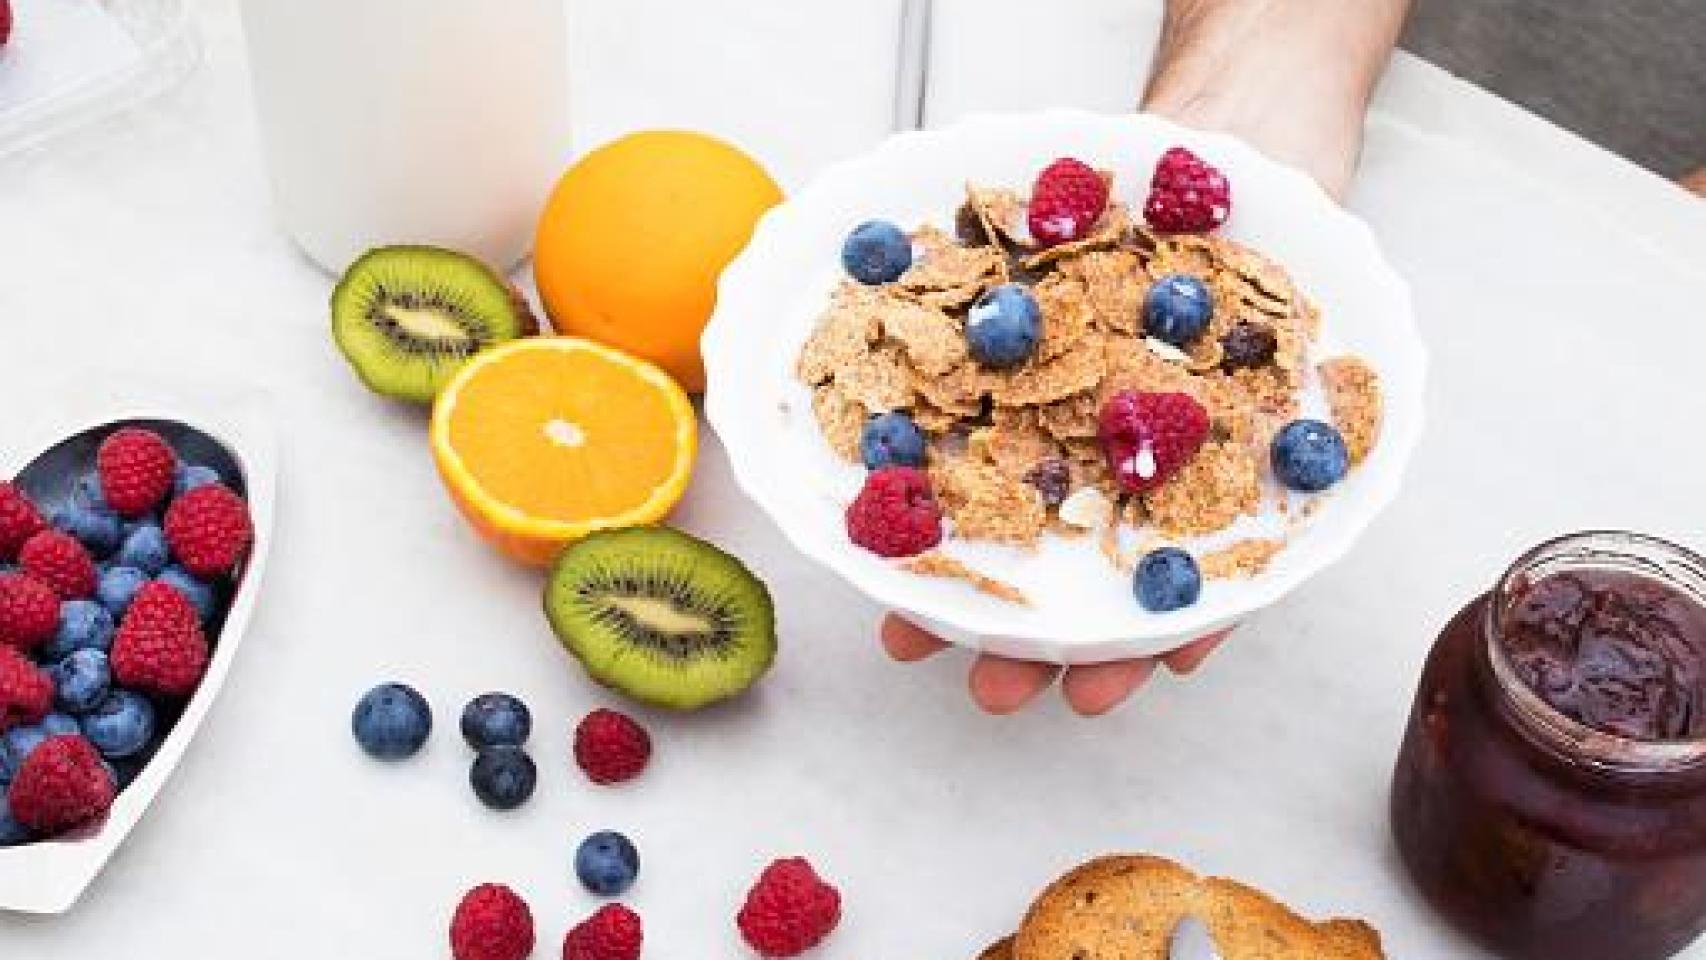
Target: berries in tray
{"type": "Point", "coordinates": [112, 595]}
{"type": "Point", "coordinates": [1071, 363]}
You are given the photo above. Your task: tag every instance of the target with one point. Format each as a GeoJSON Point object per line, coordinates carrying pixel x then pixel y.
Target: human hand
{"type": "Point", "coordinates": [1002, 686]}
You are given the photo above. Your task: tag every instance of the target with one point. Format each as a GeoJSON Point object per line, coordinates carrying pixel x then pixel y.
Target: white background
{"type": "Point", "coordinates": [1560, 292]}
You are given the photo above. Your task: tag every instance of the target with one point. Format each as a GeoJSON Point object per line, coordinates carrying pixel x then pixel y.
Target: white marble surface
{"type": "Point", "coordinates": [1567, 345]}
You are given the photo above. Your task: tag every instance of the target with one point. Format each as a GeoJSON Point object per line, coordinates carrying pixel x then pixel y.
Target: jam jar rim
{"type": "Point", "coordinates": [1570, 739]}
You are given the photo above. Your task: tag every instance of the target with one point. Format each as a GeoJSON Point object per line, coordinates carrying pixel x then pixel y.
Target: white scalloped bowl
{"type": "Point", "coordinates": [1083, 610]}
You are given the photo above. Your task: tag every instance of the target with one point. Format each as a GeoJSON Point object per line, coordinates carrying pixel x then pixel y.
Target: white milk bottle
{"type": "Point", "coordinates": [410, 121]}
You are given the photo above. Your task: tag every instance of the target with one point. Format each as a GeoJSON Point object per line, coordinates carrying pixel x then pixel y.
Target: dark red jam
{"type": "Point", "coordinates": [1550, 795]}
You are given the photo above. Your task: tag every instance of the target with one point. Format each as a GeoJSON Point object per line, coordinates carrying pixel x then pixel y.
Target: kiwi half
{"type": "Point", "coordinates": [407, 317]}
{"type": "Point", "coordinates": [661, 616]}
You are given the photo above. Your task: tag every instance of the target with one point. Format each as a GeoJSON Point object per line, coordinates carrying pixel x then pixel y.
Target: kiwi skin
{"type": "Point", "coordinates": [671, 661]}
{"type": "Point", "coordinates": [408, 317]}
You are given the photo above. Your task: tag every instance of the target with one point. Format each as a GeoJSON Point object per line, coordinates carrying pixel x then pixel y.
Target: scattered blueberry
{"type": "Point", "coordinates": [1177, 309]}
{"type": "Point", "coordinates": [876, 252]}
{"type": "Point", "coordinates": [197, 592]}
{"type": "Point", "coordinates": [1167, 579]}
{"type": "Point", "coordinates": [503, 777]}
{"type": "Point", "coordinates": [1004, 326]}
{"type": "Point", "coordinates": [80, 681]}
{"type": "Point", "coordinates": [391, 721]}
{"type": "Point", "coordinates": [83, 625]}
{"type": "Point", "coordinates": [117, 587]}
{"type": "Point", "coordinates": [145, 549]}
{"type": "Point", "coordinates": [607, 863]}
{"type": "Point", "coordinates": [121, 725]}
{"type": "Point", "coordinates": [97, 528]}
{"type": "Point", "coordinates": [496, 720]}
{"type": "Point", "coordinates": [891, 440]}
{"type": "Point", "coordinates": [12, 832]}
{"type": "Point", "coordinates": [192, 475]}
{"type": "Point", "coordinates": [1309, 455]}
{"type": "Point", "coordinates": [59, 725]}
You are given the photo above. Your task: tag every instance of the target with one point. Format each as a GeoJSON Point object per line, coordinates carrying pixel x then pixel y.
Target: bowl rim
{"type": "Point", "coordinates": [725, 364]}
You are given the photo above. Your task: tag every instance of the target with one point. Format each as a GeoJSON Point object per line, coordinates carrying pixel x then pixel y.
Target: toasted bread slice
{"type": "Point", "coordinates": [1125, 908]}
{"type": "Point", "coordinates": [999, 950]}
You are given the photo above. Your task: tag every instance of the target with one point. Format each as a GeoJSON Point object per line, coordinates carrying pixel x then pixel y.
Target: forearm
{"type": "Point", "coordinates": [1294, 76]}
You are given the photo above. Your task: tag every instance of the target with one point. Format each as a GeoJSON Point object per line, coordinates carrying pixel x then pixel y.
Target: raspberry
{"type": "Point", "coordinates": [491, 923]}
{"type": "Point", "coordinates": [209, 530]}
{"type": "Point", "coordinates": [19, 520]}
{"type": "Point", "coordinates": [611, 747]}
{"type": "Point", "coordinates": [59, 561]}
{"type": "Point", "coordinates": [1147, 437]}
{"type": "Point", "coordinates": [1066, 202]}
{"type": "Point", "coordinates": [1186, 195]}
{"type": "Point", "coordinates": [159, 647]}
{"type": "Point", "coordinates": [5, 21]}
{"type": "Point", "coordinates": [26, 690]}
{"type": "Point", "coordinates": [29, 611]}
{"type": "Point", "coordinates": [136, 467]}
{"type": "Point", "coordinates": [895, 515]}
{"type": "Point", "coordinates": [61, 785]}
{"type": "Point", "coordinates": [614, 932]}
{"type": "Point", "coordinates": [789, 910]}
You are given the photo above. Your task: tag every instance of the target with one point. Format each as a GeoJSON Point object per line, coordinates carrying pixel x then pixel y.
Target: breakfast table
{"type": "Point", "coordinates": [1559, 290]}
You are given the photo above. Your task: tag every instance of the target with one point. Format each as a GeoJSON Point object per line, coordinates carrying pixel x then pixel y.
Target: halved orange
{"type": "Point", "coordinates": [544, 440]}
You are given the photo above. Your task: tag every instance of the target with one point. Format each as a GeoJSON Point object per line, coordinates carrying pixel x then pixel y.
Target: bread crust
{"type": "Point", "coordinates": [1125, 908]}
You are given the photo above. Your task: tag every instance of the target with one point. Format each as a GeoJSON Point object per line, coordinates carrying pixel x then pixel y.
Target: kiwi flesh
{"type": "Point", "coordinates": [408, 317]}
{"type": "Point", "coordinates": [662, 616]}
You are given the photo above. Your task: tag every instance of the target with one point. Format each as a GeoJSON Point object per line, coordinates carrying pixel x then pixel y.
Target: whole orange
{"type": "Point", "coordinates": [635, 235]}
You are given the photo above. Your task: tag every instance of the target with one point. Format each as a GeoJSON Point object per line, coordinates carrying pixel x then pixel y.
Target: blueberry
{"type": "Point", "coordinates": [12, 832]}
{"type": "Point", "coordinates": [80, 681]}
{"type": "Point", "coordinates": [199, 593]}
{"type": "Point", "coordinates": [121, 725]}
{"type": "Point", "coordinates": [1167, 579]}
{"type": "Point", "coordinates": [496, 720]}
{"type": "Point", "coordinates": [59, 725]}
{"type": "Point", "coordinates": [1003, 326]}
{"type": "Point", "coordinates": [607, 863]}
{"type": "Point", "coordinates": [96, 527]}
{"type": "Point", "coordinates": [192, 475]}
{"type": "Point", "coordinates": [16, 747]}
{"type": "Point", "coordinates": [1309, 455]}
{"type": "Point", "coordinates": [891, 440]}
{"type": "Point", "coordinates": [117, 587]}
{"type": "Point", "coordinates": [145, 549]}
{"type": "Point", "coordinates": [876, 252]}
{"type": "Point", "coordinates": [1177, 309]}
{"type": "Point", "coordinates": [392, 721]}
{"type": "Point", "coordinates": [503, 777]}
{"type": "Point", "coordinates": [83, 625]}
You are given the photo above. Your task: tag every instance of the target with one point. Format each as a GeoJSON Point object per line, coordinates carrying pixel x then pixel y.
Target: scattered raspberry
{"type": "Point", "coordinates": [135, 466]}
{"type": "Point", "coordinates": [1066, 202]}
{"type": "Point", "coordinates": [159, 647]}
{"type": "Point", "coordinates": [59, 561]}
{"type": "Point", "coordinates": [491, 923]}
{"type": "Point", "coordinates": [612, 933]}
{"type": "Point", "coordinates": [611, 747]}
{"type": "Point", "coordinates": [1147, 437]}
{"type": "Point", "coordinates": [29, 611]}
{"type": "Point", "coordinates": [895, 515]}
{"type": "Point", "coordinates": [1186, 195]}
{"type": "Point", "coordinates": [61, 785]}
{"type": "Point", "coordinates": [26, 690]}
{"type": "Point", "coordinates": [19, 519]}
{"type": "Point", "coordinates": [209, 530]}
{"type": "Point", "coordinates": [789, 910]}
{"type": "Point", "coordinates": [5, 21]}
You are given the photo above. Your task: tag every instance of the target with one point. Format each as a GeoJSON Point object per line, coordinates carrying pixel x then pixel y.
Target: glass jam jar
{"type": "Point", "coordinates": [1550, 795]}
